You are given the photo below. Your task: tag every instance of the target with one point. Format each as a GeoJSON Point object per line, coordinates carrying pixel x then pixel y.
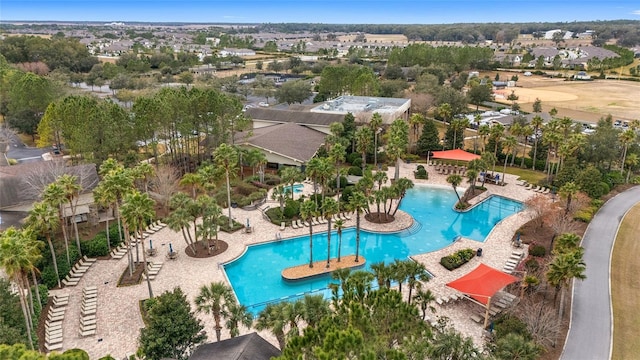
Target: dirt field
{"type": "Point", "coordinates": [580, 100]}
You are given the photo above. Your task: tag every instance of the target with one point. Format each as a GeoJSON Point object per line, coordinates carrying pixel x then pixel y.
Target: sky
{"type": "Point", "coordinates": [321, 11]}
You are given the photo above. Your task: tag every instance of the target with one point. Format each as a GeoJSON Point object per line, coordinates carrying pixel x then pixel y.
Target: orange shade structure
{"type": "Point", "coordinates": [457, 154]}
{"type": "Point", "coordinates": [482, 283]}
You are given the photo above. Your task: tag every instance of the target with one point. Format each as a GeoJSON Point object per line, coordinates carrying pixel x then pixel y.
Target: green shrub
{"type": "Point", "coordinates": [44, 293]}
{"type": "Point", "coordinates": [584, 215]}
{"type": "Point", "coordinates": [351, 158]}
{"type": "Point", "coordinates": [95, 247]}
{"type": "Point", "coordinates": [532, 264]}
{"type": "Point", "coordinates": [48, 276]}
{"type": "Point", "coordinates": [457, 259]}
{"type": "Point", "coordinates": [291, 209]}
{"type": "Point", "coordinates": [343, 183]}
{"type": "Point", "coordinates": [421, 173]}
{"type": "Point", "coordinates": [76, 354]}
{"type": "Point", "coordinates": [346, 193]}
{"type": "Point", "coordinates": [537, 251]}
{"type": "Point", "coordinates": [357, 162]}
{"type": "Point", "coordinates": [509, 324]}
{"type": "Point", "coordinates": [355, 170]}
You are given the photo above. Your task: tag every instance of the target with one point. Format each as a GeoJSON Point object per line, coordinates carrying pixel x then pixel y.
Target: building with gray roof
{"type": "Point", "coordinates": [363, 107]}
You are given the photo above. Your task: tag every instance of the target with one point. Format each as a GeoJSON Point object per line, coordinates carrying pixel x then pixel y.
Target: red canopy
{"type": "Point", "coordinates": [482, 283]}
{"type": "Point", "coordinates": [457, 154]}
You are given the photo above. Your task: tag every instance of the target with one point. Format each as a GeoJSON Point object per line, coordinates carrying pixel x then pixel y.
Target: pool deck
{"type": "Point", "coordinates": [118, 315]}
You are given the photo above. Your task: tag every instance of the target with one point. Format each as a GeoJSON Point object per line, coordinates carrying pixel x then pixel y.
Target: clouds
{"type": "Point", "coordinates": [635, 12]}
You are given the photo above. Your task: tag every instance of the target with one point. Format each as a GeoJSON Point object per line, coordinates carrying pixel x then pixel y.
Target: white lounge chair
{"type": "Point", "coordinates": [283, 225]}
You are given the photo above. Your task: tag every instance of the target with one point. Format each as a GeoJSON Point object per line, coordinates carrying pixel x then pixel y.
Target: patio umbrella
{"type": "Point", "coordinates": [248, 223]}
{"type": "Point", "coordinates": [170, 248]}
{"type": "Point", "coordinates": [150, 244]}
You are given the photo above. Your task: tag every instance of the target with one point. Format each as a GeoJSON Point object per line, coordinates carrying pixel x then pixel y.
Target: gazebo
{"type": "Point", "coordinates": [456, 154]}
{"type": "Point", "coordinates": [481, 284]}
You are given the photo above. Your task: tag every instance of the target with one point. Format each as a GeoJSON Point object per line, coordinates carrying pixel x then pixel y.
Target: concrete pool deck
{"type": "Point", "coordinates": [118, 315]}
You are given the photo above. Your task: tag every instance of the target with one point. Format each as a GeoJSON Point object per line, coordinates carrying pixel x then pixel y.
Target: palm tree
{"type": "Point", "coordinates": [415, 121]}
{"type": "Point", "coordinates": [510, 143]}
{"type": "Point", "coordinates": [181, 217]}
{"type": "Point", "coordinates": [488, 159]}
{"type": "Point", "coordinates": [290, 175]}
{"type": "Point", "coordinates": [315, 308]}
{"type": "Point", "coordinates": [484, 131]}
{"type": "Point", "coordinates": [237, 315]}
{"type": "Point", "coordinates": [43, 219]}
{"type": "Point", "coordinates": [339, 225]}
{"type": "Point", "coordinates": [227, 158]}
{"type": "Point", "coordinates": [329, 208]}
{"type": "Point", "coordinates": [214, 299]}
{"type": "Point", "coordinates": [308, 210]}
{"type": "Point", "coordinates": [192, 180]}
{"type": "Point", "coordinates": [104, 198]}
{"type": "Point", "coordinates": [515, 347]}
{"type": "Point", "coordinates": [16, 258]}
{"type": "Point", "coordinates": [400, 188]}
{"type": "Point", "coordinates": [631, 162]}
{"type": "Point", "coordinates": [449, 344]}
{"type": "Point", "coordinates": [138, 210]}
{"type": "Point", "coordinates": [455, 180]}
{"type": "Point", "coordinates": [280, 195]}
{"type": "Point", "coordinates": [626, 138]}
{"type": "Point", "coordinates": [397, 143]}
{"type": "Point", "coordinates": [211, 214]}
{"type": "Point", "coordinates": [568, 191]}
{"type": "Point", "coordinates": [423, 299]}
{"type": "Point", "coordinates": [536, 123]}
{"type": "Point", "coordinates": [527, 131]}
{"type": "Point", "coordinates": [271, 318]}
{"type": "Point", "coordinates": [72, 191]}
{"type": "Point", "coordinates": [363, 137]}
{"type": "Point", "coordinates": [416, 272]}
{"type": "Point", "coordinates": [116, 184]}
{"type": "Point", "coordinates": [358, 203]}
{"type": "Point", "coordinates": [53, 195]}
{"type": "Point", "coordinates": [495, 134]}
{"type": "Point", "coordinates": [563, 268]}
{"type": "Point", "coordinates": [144, 171]}
{"type": "Point", "coordinates": [382, 273]}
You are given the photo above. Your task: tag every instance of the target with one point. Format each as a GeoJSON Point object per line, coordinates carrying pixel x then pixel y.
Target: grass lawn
{"type": "Point", "coordinates": [625, 292]}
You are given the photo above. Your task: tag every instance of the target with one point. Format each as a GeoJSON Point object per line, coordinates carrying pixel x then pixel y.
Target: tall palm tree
{"type": "Point", "coordinates": [400, 188]}
{"type": "Point", "coordinates": [72, 192]}
{"type": "Point", "coordinates": [382, 273]}
{"type": "Point", "coordinates": [117, 183]}
{"type": "Point", "coordinates": [237, 315]}
{"type": "Point", "coordinates": [290, 175]}
{"type": "Point", "coordinates": [315, 308]}
{"type": "Point", "coordinates": [455, 180]}
{"type": "Point", "coordinates": [397, 143]}
{"type": "Point", "coordinates": [510, 143]}
{"type": "Point", "coordinates": [106, 198]}
{"type": "Point", "coordinates": [358, 203]}
{"type": "Point", "coordinates": [329, 208]}
{"type": "Point", "coordinates": [536, 123]}
{"type": "Point", "coordinates": [568, 191]}
{"type": "Point", "coordinates": [324, 173]}
{"type": "Point", "coordinates": [476, 120]}
{"type": "Point", "coordinates": [626, 138]}
{"type": "Point", "coordinates": [214, 299]}
{"type": "Point", "coordinates": [144, 171]}
{"type": "Point", "coordinates": [632, 161]}
{"type": "Point", "coordinates": [339, 225]}
{"type": "Point", "coordinates": [337, 154]}
{"type": "Point", "coordinates": [271, 318]}
{"type": "Point", "coordinates": [495, 134]}
{"type": "Point", "coordinates": [423, 299]}
{"type": "Point", "coordinates": [227, 158]}
{"type": "Point", "coordinates": [308, 210]}
{"type": "Point", "coordinates": [363, 137]}
{"type": "Point", "coordinates": [43, 218]}
{"type": "Point", "coordinates": [16, 258]}
{"type": "Point", "coordinates": [564, 268]}
{"type": "Point", "coordinates": [138, 210]}
{"type": "Point", "coordinates": [54, 195]}
{"type": "Point", "coordinates": [181, 218]}
{"type": "Point", "coordinates": [416, 274]}
{"type": "Point", "coordinates": [484, 131]}
{"type": "Point", "coordinates": [193, 181]}
{"type": "Point", "coordinates": [527, 131]}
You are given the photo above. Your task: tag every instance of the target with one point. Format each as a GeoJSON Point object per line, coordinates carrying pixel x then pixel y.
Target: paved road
{"type": "Point", "coordinates": [590, 334]}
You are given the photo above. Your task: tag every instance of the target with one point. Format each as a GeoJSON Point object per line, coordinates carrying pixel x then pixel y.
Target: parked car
{"type": "Point", "coordinates": [263, 104]}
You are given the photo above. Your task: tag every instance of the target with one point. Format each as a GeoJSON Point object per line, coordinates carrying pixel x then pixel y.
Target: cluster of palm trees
{"type": "Point", "coordinates": [217, 300]}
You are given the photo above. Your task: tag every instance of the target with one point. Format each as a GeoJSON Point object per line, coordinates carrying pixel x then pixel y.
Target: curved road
{"type": "Point", "coordinates": [590, 332]}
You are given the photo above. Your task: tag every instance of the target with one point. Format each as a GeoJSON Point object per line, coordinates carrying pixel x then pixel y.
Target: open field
{"type": "Point", "coordinates": [373, 38]}
{"type": "Point", "coordinates": [625, 292]}
{"type": "Point", "coordinates": [580, 100]}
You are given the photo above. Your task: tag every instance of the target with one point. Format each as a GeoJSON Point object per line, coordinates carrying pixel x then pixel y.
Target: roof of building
{"type": "Point", "coordinates": [246, 347]}
{"type": "Point", "coordinates": [291, 140]}
{"type": "Point", "coordinates": [356, 104]}
{"type": "Point", "coordinates": [297, 117]}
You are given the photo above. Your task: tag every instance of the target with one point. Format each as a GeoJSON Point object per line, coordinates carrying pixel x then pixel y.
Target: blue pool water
{"type": "Point", "coordinates": [256, 279]}
{"type": "Point", "coordinates": [297, 188]}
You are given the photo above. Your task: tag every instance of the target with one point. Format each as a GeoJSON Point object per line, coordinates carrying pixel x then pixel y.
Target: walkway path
{"type": "Point", "coordinates": [590, 332]}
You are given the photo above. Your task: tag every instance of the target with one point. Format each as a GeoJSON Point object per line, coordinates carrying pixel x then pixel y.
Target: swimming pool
{"type": "Point", "coordinates": [256, 279]}
{"type": "Point", "coordinates": [297, 188]}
